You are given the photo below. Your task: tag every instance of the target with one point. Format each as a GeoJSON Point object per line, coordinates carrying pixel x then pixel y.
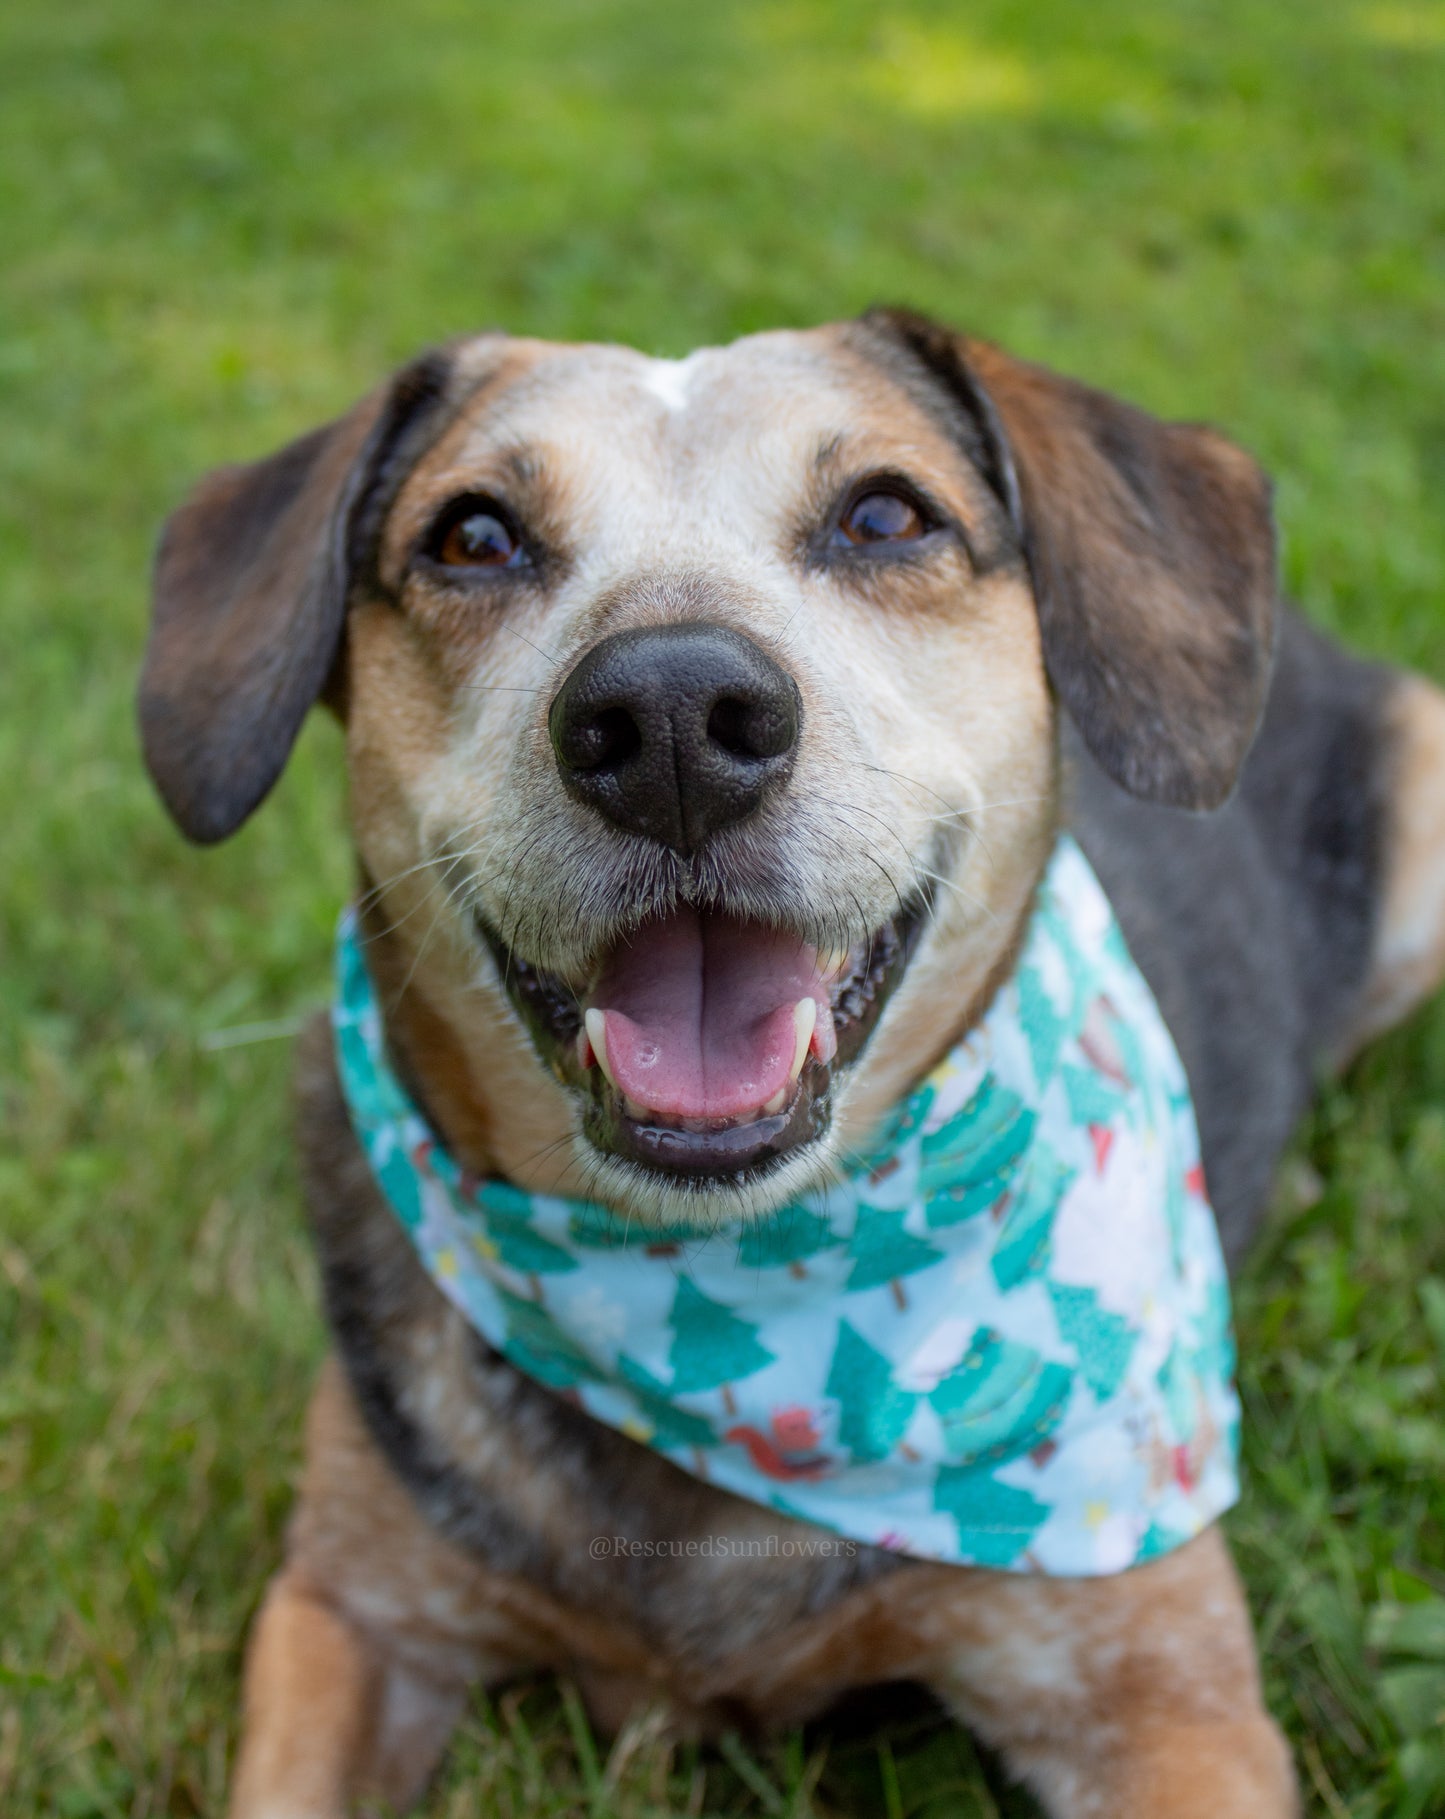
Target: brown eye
{"type": "Point", "coordinates": [881, 518]}
{"type": "Point", "coordinates": [479, 538]}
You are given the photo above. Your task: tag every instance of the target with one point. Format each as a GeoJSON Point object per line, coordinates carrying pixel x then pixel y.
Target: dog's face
{"type": "Point", "coordinates": [700, 714]}
{"type": "Point", "coordinates": [701, 710]}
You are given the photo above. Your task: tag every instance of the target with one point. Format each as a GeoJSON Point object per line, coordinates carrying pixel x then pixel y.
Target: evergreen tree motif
{"type": "Point", "coordinates": [711, 1346]}
{"type": "Point", "coordinates": [1044, 1029]}
{"type": "Point", "coordinates": [878, 1159]}
{"type": "Point", "coordinates": [1159, 1539]}
{"type": "Point", "coordinates": [1000, 1400]}
{"type": "Point", "coordinates": [995, 1521]}
{"type": "Point", "coordinates": [884, 1252]}
{"type": "Point", "coordinates": [518, 1244]}
{"type": "Point", "coordinates": [784, 1237]}
{"type": "Point", "coordinates": [672, 1426]}
{"type": "Point", "coordinates": [968, 1164]}
{"type": "Point", "coordinates": [1214, 1352]}
{"type": "Point", "coordinates": [873, 1411]}
{"type": "Point", "coordinates": [1110, 1043]}
{"type": "Point", "coordinates": [540, 1349]}
{"type": "Point", "coordinates": [1021, 1249]}
{"type": "Point", "coordinates": [1104, 1341]}
{"type": "Point", "coordinates": [1177, 1381]}
{"type": "Point", "coordinates": [401, 1183]}
{"type": "Point", "coordinates": [1093, 1097]}
{"type": "Point", "coordinates": [1176, 1211]}
{"type": "Point", "coordinates": [598, 1228]}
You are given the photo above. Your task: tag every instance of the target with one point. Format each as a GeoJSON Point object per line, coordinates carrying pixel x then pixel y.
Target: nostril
{"type": "Point", "coordinates": [729, 725]}
{"type": "Point", "coordinates": [603, 742]}
{"type": "Point", "coordinates": [752, 730]}
{"type": "Point", "coordinates": [675, 732]}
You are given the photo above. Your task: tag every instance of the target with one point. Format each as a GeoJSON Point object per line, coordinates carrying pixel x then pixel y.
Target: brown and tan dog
{"type": "Point", "coordinates": [825, 631]}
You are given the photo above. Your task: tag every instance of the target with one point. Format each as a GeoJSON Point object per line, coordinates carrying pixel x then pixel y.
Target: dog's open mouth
{"type": "Point", "coordinates": [704, 1044]}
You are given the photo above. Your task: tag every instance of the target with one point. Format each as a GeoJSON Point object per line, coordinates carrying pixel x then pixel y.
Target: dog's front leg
{"type": "Point", "coordinates": [311, 1695]}
{"type": "Point", "coordinates": [367, 1641]}
{"type": "Point", "coordinates": [1130, 1697]}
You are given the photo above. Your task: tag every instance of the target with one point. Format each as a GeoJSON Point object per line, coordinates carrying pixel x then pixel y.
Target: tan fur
{"type": "Point", "coordinates": [1135, 1696]}
{"type": "Point", "coordinates": [1409, 957]}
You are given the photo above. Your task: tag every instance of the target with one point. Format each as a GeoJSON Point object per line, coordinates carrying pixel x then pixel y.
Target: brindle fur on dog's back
{"type": "Point", "coordinates": [827, 632]}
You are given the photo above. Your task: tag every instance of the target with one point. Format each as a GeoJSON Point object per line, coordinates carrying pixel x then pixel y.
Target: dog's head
{"type": "Point", "coordinates": [700, 714]}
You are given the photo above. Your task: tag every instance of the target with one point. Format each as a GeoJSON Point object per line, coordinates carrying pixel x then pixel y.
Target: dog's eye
{"type": "Point", "coordinates": [477, 535]}
{"type": "Point", "coordinates": [880, 517]}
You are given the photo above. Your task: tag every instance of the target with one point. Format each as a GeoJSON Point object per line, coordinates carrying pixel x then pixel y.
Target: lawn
{"type": "Point", "coordinates": [219, 224]}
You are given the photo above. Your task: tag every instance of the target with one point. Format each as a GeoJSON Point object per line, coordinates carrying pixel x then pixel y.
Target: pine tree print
{"type": "Point", "coordinates": [672, 1426]}
{"type": "Point", "coordinates": [1110, 1043]}
{"type": "Point", "coordinates": [873, 1412]}
{"type": "Point", "coordinates": [1093, 1097]}
{"type": "Point", "coordinates": [880, 1158]}
{"type": "Point", "coordinates": [1105, 1341]}
{"type": "Point", "coordinates": [711, 1346]}
{"type": "Point", "coordinates": [1022, 1246]}
{"type": "Point", "coordinates": [401, 1184]}
{"type": "Point", "coordinates": [540, 1349]}
{"type": "Point", "coordinates": [995, 1521]}
{"type": "Point", "coordinates": [1000, 1400]}
{"type": "Point", "coordinates": [597, 1228]}
{"type": "Point", "coordinates": [518, 1244]}
{"type": "Point", "coordinates": [884, 1252]}
{"type": "Point", "coordinates": [1044, 1029]}
{"type": "Point", "coordinates": [968, 1163]}
{"type": "Point", "coordinates": [785, 1237]}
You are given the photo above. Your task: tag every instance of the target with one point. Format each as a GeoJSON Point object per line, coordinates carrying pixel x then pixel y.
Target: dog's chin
{"type": "Point", "coordinates": [703, 1053]}
{"type": "Point", "coordinates": [701, 1203]}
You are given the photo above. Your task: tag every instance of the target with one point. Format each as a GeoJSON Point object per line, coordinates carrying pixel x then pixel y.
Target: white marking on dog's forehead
{"type": "Point", "coordinates": [669, 381]}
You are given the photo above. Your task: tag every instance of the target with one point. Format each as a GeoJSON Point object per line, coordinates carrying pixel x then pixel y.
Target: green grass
{"type": "Point", "coordinates": [220, 223]}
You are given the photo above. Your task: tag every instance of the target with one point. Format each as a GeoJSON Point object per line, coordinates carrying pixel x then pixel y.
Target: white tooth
{"type": "Point", "coordinates": [776, 1103]}
{"type": "Point", "coordinates": [596, 1022]}
{"type": "Point", "coordinates": [805, 1019]}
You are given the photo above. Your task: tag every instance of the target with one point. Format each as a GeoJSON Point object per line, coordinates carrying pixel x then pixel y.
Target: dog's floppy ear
{"type": "Point", "coordinates": [1151, 550]}
{"type": "Point", "coordinates": [249, 600]}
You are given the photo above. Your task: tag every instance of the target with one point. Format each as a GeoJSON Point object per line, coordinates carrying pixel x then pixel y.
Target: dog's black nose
{"type": "Point", "coordinates": [675, 731]}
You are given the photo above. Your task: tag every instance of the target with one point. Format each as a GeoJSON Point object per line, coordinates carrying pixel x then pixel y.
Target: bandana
{"type": "Point", "coordinates": [1001, 1339]}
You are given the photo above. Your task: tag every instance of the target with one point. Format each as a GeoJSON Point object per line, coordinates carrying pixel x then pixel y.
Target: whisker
{"type": "Point", "coordinates": [551, 656]}
{"type": "Point", "coordinates": [966, 896]}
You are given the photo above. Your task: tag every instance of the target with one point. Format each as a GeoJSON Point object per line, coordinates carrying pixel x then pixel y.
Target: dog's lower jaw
{"type": "Point", "coordinates": [702, 1202]}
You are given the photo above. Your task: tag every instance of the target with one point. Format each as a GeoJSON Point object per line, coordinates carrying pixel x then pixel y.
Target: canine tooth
{"type": "Point", "coordinates": [776, 1103]}
{"type": "Point", "coordinates": [805, 1020]}
{"type": "Point", "coordinates": [595, 1023]}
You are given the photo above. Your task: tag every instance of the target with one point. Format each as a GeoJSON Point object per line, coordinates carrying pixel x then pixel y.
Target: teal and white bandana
{"type": "Point", "coordinates": [1002, 1340]}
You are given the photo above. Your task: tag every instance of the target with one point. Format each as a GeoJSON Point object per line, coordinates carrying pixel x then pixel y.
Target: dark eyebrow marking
{"type": "Point", "coordinates": [523, 465]}
{"type": "Point", "coordinates": [827, 450]}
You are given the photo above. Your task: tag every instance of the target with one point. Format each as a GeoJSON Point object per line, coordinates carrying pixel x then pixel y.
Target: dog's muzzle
{"type": "Point", "coordinates": [703, 1041]}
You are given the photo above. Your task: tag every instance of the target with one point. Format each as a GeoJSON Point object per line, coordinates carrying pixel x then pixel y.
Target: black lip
{"type": "Point", "coordinates": [735, 1153]}
{"type": "Point", "coordinates": [728, 1152]}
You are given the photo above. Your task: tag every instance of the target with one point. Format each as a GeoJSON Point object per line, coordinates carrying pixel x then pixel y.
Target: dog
{"type": "Point", "coordinates": [826, 632]}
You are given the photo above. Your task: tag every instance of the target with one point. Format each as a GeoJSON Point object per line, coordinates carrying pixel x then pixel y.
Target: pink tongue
{"type": "Point", "coordinates": [699, 1013]}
